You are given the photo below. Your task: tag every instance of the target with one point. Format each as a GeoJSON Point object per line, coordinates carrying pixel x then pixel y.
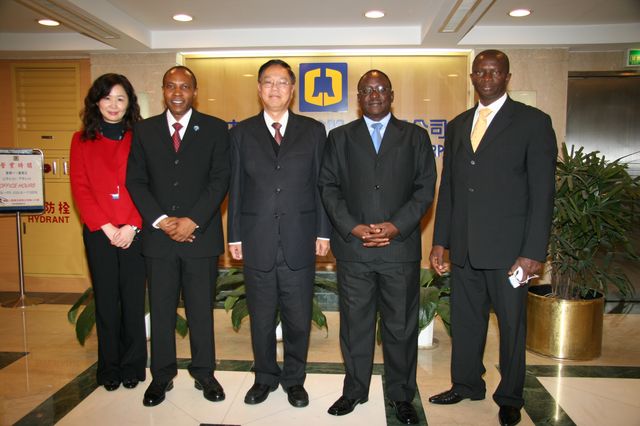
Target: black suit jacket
{"type": "Point", "coordinates": [190, 183]}
{"type": "Point", "coordinates": [275, 198]}
{"type": "Point", "coordinates": [359, 186]}
{"type": "Point", "coordinates": [496, 204]}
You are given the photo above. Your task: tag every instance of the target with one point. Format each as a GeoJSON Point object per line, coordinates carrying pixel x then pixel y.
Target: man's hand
{"type": "Point", "coordinates": [365, 234]}
{"type": "Point", "coordinates": [167, 225]}
{"type": "Point", "coordinates": [529, 267]}
{"type": "Point", "coordinates": [436, 257]}
{"type": "Point", "coordinates": [236, 251]}
{"type": "Point", "coordinates": [322, 247]}
{"type": "Point", "coordinates": [183, 230]}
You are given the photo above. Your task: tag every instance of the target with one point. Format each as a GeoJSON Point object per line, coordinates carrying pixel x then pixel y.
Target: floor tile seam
{"type": "Point", "coordinates": [236, 395]}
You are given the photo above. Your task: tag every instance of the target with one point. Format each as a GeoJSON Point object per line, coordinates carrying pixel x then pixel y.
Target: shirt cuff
{"type": "Point", "coordinates": [158, 220]}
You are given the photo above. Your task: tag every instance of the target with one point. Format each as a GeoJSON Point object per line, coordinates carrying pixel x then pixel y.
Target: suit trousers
{"type": "Point", "coordinates": [289, 292]}
{"type": "Point", "coordinates": [473, 293]}
{"type": "Point", "coordinates": [118, 281]}
{"type": "Point", "coordinates": [393, 289]}
{"type": "Point", "coordinates": [195, 276]}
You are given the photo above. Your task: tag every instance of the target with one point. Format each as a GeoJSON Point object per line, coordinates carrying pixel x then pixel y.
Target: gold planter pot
{"type": "Point", "coordinates": [564, 329]}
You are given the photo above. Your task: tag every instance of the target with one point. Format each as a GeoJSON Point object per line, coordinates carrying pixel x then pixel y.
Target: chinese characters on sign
{"type": "Point", "coordinates": [21, 184]}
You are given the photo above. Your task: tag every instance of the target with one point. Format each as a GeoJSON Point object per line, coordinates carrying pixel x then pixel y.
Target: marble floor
{"type": "Point", "coordinates": [47, 377]}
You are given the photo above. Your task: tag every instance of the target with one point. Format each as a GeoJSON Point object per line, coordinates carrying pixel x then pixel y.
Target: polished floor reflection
{"type": "Point", "coordinates": [46, 377]}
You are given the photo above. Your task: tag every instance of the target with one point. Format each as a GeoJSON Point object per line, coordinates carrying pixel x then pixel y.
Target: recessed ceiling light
{"type": "Point", "coordinates": [374, 14]}
{"type": "Point", "coordinates": [182, 17]}
{"type": "Point", "coordinates": [519, 13]}
{"type": "Point", "coordinates": [48, 22]}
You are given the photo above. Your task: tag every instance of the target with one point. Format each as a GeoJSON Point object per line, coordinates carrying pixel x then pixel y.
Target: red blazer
{"type": "Point", "coordinates": [98, 173]}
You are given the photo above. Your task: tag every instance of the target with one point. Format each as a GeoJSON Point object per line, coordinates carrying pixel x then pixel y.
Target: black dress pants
{"type": "Point", "coordinates": [118, 280]}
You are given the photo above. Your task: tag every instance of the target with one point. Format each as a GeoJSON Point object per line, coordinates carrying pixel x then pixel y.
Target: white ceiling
{"type": "Point", "coordinates": [146, 25]}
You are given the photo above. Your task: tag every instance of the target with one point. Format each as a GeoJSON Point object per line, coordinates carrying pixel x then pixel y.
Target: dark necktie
{"type": "Point", "coordinates": [278, 135]}
{"type": "Point", "coordinates": [176, 136]}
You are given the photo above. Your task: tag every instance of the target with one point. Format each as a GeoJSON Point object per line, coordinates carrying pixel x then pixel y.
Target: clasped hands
{"type": "Point", "coordinates": [121, 237]}
{"type": "Point", "coordinates": [179, 229]}
{"type": "Point", "coordinates": [375, 234]}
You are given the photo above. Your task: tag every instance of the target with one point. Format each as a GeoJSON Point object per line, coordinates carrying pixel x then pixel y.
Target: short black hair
{"type": "Point", "coordinates": [498, 54]}
{"type": "Point", "coordinates": [372, 71]}
{"type": "Point", "coordinates": [279, 62]}
{"type": "Point", "coordinates": [186, 69]}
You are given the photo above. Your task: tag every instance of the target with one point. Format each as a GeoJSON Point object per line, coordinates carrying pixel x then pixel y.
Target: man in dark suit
{"type": "Point", "coordinates": [377, 181]}
{"type": "Point", "coordinates": [178, 174]}
{"type": "Point", "coordinates": [277, 225]}
{"type": "Point", "coordinates": [494, 213]}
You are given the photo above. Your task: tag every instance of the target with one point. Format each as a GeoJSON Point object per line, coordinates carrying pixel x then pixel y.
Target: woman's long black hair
{"type": "Point", "coordinates": [101, 87]}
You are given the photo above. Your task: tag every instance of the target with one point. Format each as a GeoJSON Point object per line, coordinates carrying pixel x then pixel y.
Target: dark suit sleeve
{"type": "Point", "coordinates": [330, 187]}
{"type": "Point", "coordinates": [235, 185]}
{"type": "Point", "coordinates": [324, 225]}
{"type": "Point", "coordinates": [138, 180]}
{"type": "Point", "coordinates": [542, 152]}
{"type": "Point", "coordinates": [442, 227]}
{"type": "Point", "coordinates": [407, 217]}
{"type": "Point", "coordinates": [214, 192]}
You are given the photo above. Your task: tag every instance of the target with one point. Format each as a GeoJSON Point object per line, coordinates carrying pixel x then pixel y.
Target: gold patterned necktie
{"type": "Point", "coordinates": [176, 136]}
{"type": "Point", "coordinates": [480, 128]}
{"type": "Point", "coordinates": [278, 135]}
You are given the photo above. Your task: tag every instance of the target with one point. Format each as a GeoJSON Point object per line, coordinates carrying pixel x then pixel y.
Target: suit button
{"type": "Point", "coordinates": [176, 162]}
{"type": "Point", "coordinates": [377, 187]}
{"type": "Point", "coordinates": [278, 167]}
{"type": "Point", "coordinates": [278, 190]}
{"type": "Point", "coordinates": [173, 208]}
{"type": "Point", "coordinates": [473, 163]}
{"type": "Point", "coordinates": [175, 184]}
{"type": "Point", "coordinates": [471, 189]}
{"type": "Point", "coordinates": [276, 215]}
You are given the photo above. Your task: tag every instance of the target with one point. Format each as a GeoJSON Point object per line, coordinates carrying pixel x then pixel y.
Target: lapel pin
{"type": "Point", "coordinates": [196, 128]}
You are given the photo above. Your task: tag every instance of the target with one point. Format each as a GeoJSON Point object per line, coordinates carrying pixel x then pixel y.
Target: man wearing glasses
{"type": "Point", "coordinates": [377, 180]}
{"type": "Point", "coordinates": [277, 225]}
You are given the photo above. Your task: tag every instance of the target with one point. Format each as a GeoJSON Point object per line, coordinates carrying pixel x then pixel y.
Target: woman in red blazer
{"type": "Point", "coordinates": [99, 155]}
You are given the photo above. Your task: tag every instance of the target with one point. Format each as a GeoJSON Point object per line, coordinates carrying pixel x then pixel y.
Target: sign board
{"type": "Point", "coordinates": [21, 180]}
{"type": "Point", "coordinates": [633, 58]}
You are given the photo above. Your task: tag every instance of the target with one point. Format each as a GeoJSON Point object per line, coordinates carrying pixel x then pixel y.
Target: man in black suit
{"type": "Point", "coordinates": [377, 181]}
{"type": "Point", "coordinates": [277, 225]}
{"type": "Point", "coordinates": [178, 174]}
{"type": "Point", "coordinates": [494, 214]}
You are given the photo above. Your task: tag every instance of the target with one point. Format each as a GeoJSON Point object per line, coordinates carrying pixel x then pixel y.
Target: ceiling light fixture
{"type": "Point", "coordinates": [48, 22]}
{"type": "Point", "coordinates": [181, 17]}
{"type": "Point", "coordinates": [374, 14]}
{"type": "Point", "coordinates": [519, 13]}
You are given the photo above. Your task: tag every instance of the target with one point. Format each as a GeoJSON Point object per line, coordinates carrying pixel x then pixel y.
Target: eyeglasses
{"type": "Point", "coordinates": [268, 84]}
{"type": "Point", "coordinates": [367, 90]}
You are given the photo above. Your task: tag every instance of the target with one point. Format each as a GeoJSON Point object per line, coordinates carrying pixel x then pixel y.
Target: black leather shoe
{"type": "Point", "coordinates": [211, 389]}
{"type": "Point", "coordinates": [298, 397]}
{"type": "Point", "coordinates": [258, 393]}
{"type": "Point", "coordinates": [345, 405]}
{"type": "Point", "coordinates": [111, 385]}
{"type": "Point", "coordinates": [130, 383]}
{"type": "Point", "coordinates": [509, 416]}
{"type": "Point", "coordinates": [405, 412]}
{"type": "Point", "coordinates": [155, 393]}
{"type": "Point", "coordinates": [450, 397]}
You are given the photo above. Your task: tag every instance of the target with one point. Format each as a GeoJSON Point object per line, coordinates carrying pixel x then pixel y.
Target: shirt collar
{"type": "Point", "coordinates": [184, 120]}
{"type": "Point", "coordinates": [495, 105]}
{"type": "Point", "coordinates": [384, 121]}
{"type": "Point", "coordinates": [283, 122]}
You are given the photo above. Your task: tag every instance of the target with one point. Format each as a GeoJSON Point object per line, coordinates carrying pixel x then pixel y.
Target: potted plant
{"type": "Point", "coordinates": [596, 207]}
{"type": "Point", "coordinates": [83, 315]}
{"type": "Point", "coordinates": [435, 294]}
{"type": "Point", "coordinates": [231, 290]}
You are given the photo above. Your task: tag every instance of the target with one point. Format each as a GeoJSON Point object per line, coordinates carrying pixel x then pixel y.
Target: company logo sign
{"type": "Point", "coordinates": [323, 87]}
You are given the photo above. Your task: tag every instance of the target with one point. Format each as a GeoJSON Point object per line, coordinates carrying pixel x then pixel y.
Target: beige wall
{"type": "Point", "coordinates": [598, 61]}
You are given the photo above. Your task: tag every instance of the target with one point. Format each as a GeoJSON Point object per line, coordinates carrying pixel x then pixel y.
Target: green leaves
{"type": "Point", "coordinates": [596, 207]}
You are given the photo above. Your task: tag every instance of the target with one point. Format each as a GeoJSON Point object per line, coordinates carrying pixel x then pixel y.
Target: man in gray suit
{"type": "Point", "coordinates": [377, 181]}
{"type": "Point", "coordinates": [494, 214]}
{"type": "Point", "coordinates": [277, 226]}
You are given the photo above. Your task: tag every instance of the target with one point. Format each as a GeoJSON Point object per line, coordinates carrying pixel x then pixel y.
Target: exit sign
{"type": "Point", "coordinates": [633, 58]}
